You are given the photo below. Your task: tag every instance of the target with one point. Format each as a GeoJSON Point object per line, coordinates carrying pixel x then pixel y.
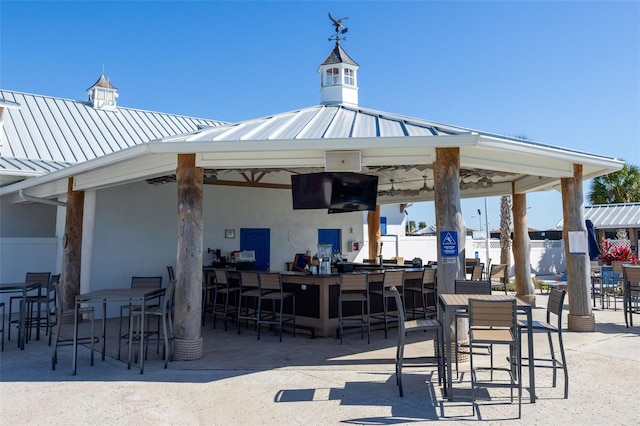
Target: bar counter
{"type": "Point", "coordinates": [317, 297]}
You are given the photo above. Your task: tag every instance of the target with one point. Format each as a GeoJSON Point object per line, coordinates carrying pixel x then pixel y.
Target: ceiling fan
{"type": "Point", "coordinates": [389, 192]}
{"type": "Point", "coordinates": [425, 187]}
{"type": "Point", "coordinates": [483, 182]}
{"type": "Point", "coordinates": [406, 192]}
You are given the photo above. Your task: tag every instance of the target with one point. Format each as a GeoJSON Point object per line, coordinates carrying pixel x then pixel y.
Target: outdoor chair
{"type": "Point", "coordinates": [42, 317]}
{"type": "Point", "coordinates": [354, 290]}
{"type": "Point", "coordinates": [63, 316]}
{"type": "Point", "coordinates": [554, 306]}
{"type": "Point", "coordinates": [499, 276]}
{"type": "Point", "coordinates": [494, 322]}
{"type": "Point", "coordinates": [163, 312]}
{"type": "Point", "coordinates": [222, 293]}
{"type": "Point", "coordinates": [467, 287]}
{"type": "Point", "coordinates": [44, 278]}
{"type": "Point", "coordinates": [423, 325]}
{"type": "Point", "coordinates": [208, 291]}
{"type": "Point", "coordinates": [136, 282]}
{"type": "Point", "coordinates": [596, 269]}
{"type": "Point", "coordinates": [426, 290]}
{"type": "Point", "coordinates": [631, 275]}
{"type": "Point", "coordinates": [391, 278]}
{"type": "Point", "coordinates": [2, 326]}
{"type": "Point", "coordinates": [476, 272]}
{"type": "Point", "coordinates": [612, 284]}
{"type": "Point", "coordinates": [248, 298]}
{"type": "Point", "coordinates": [270, 290]}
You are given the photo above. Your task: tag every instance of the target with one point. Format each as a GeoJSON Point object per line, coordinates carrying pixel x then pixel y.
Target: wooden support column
{"type": "Point", "coordinates": [375, 239]}
{"type": "Point", "coordinates": [581, 317]}
{"type": "Point", "coordinates": [449, 217]}
{"type": "Point", "coordinates": [72, 247]}
{"type": "Point", "coordinates": [188, 342]}
{"type": "Point", "coordinates": [522, 250]}
{"type": "Point", "coordinates": [446, 172]}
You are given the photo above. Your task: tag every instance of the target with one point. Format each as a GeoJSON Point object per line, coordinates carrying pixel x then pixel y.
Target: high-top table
{"type": "Point", "coordinates": [135, 296]}
{"type": "Point", "coordinates": [24, 288]}
{"type": "Point", "coordinates": [450, 303]}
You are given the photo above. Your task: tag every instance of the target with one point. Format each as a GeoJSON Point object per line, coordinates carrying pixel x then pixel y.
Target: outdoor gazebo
{"type": "Point", "coordinates": [414, 159]}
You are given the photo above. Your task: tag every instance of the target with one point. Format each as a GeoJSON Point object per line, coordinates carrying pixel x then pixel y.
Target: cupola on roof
{"type": "Point", "coordinates": [338, 73]}
{"type": "Point", "coordinates": [103, 94]}
{"type": "Point", "coordinates": [337, 56]}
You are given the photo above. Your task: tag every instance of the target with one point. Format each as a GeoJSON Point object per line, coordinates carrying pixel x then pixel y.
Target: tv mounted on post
{"type": "Point", "coordinates": [351, 192]}
{"type": "Point", "coordinates": [311, 191]}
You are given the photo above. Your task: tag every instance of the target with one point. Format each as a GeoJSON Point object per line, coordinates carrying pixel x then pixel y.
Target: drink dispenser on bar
{"type": "Point", "coordinates": [324, 257]}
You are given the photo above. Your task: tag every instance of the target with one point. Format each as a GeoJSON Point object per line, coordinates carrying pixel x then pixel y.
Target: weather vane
{"type": "Point", "coordinates": [339, 29]}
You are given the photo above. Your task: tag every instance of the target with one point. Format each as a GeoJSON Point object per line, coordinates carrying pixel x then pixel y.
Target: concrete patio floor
{"type": "Point", "coordinates": [241, 380]}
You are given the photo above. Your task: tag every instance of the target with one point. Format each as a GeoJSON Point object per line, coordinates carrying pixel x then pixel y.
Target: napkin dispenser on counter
{"type": "Point", "coordinates": [343, 267]}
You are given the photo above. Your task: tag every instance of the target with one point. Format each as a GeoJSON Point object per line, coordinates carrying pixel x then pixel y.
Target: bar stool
{"type": "Point", "coordinates": [66, 317]}
{"type": "Point", "coordinates": [44, 278]}
{"type": "Point", "coordinates": [2, 325]}
{"type": "Point", "coordinates": [136, 282]}
{"type": "Point", "coordinates": [391, 278]}
{"type": "Point", "coordinates": [248, 295]}
{"type": "Point", "coordinates": [354, 289]}
{"type": "Point", "coordinates": [270, 290]}
{"type": "Point", "coordinates": [223, 290]}
{"type": "Point", "coordinates": [208, 290]}
{"type": "Point", "coordinates": [427, 287]}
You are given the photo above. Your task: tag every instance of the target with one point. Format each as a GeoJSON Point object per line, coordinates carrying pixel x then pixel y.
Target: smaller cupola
{"type": "Point", "coordinates": [338, 73]}
{"type": "Point", "coordinates": [103, 94]}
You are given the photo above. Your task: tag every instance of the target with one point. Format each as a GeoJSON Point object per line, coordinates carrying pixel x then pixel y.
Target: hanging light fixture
{"type": "Point", "coordinates": [485, 182]}
{"type": "Point", "coordinates": [425, 188]}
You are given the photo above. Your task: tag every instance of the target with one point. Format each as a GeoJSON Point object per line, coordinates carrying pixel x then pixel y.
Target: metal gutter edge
{"type": "Point", "coordinates": [77, 169]}
{"type": "Point", "coordinates": [26, 197]}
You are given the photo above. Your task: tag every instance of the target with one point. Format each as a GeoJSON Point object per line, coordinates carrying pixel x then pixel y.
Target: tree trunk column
{"type": "Point", "coordinates": [373, 228]}
{"type": "Point", "coordinates": [446, 171]}
{"type": "Point", "coordinates": [72, 248]}
{"type": "Point", "coordinates": [188, 342]}
{"type": "Point", "coordinates": [449, 217]}
{"type": "Point", "coordinates": [522, 251]}
{"type": "Point", "coordinates": [578, 285]}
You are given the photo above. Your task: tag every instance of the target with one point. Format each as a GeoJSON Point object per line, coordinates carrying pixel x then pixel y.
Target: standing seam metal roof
{"type": "Point", "coordinates": [329, 122]}
{"type": "Point", "coordinates": [48, 133]}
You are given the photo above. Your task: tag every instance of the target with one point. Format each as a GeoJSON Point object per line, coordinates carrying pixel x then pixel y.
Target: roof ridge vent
{"type": "Point", "coordinates": [103, 94]}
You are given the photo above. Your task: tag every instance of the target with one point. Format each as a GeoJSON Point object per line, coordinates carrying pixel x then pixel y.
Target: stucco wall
{"type": "Point", "coordinates": [30, 220]}
{"type": "Point", "coordinates": [136, 225]}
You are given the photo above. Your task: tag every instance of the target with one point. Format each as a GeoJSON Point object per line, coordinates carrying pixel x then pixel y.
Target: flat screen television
{"type": "Point", "coordinates": [351, 192]}
{"type": "Point", "coordinates": [311, 190]}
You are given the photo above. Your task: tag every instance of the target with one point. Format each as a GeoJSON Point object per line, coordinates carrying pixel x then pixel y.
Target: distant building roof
{"type": "Point", "coordinates": [614, 215]}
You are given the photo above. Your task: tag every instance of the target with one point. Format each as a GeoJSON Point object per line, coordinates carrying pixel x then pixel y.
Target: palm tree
{"type": "Point", "coordinates": [505, 223]}
{"type": "Point", "coordinates": [622, 186]}
{"type": "Point", "coordinates": [505, 230]}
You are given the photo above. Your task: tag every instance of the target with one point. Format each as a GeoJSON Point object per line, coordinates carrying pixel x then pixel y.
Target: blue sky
{"type": "Point", "coordinates": [561, 73]}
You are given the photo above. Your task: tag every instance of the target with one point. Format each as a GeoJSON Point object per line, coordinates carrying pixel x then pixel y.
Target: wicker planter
{"type": "Point", "coordinates": [187, 350]}
{"type": "Point", "coordinates": [463, 353]}
{"type": "Point", "coordinates": [585, 323]}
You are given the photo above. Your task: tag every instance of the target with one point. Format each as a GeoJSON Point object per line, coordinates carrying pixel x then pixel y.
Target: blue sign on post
{"type": "Point", "coordinates": [449, 243]}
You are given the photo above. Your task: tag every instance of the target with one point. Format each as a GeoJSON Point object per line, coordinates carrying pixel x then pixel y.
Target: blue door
{"type": "Point", "coordinates": [383, 225]}
{"type": "Point", "coordinates": [330, 236]}
{"type": "Point", "coordinates": [258, 240]}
